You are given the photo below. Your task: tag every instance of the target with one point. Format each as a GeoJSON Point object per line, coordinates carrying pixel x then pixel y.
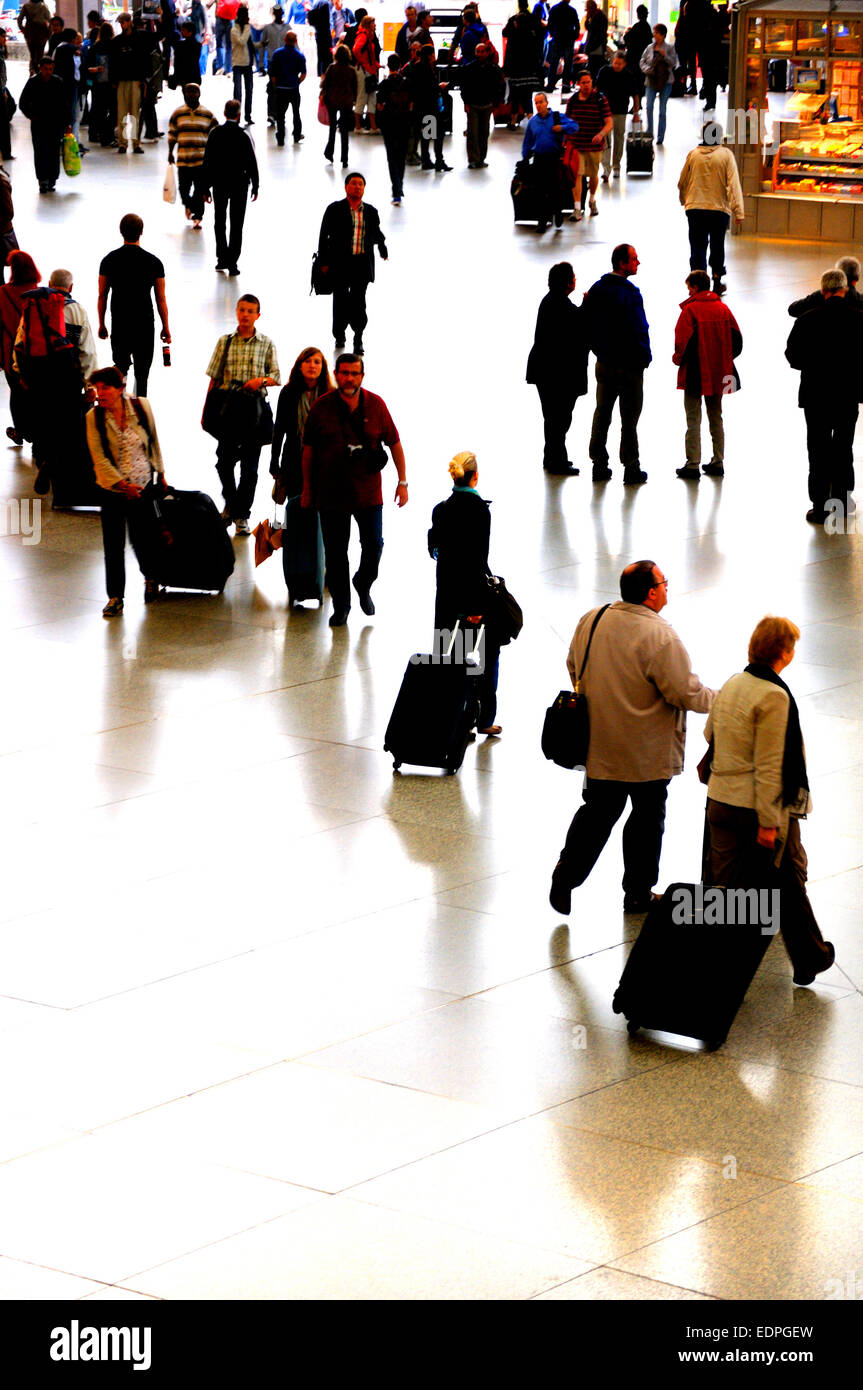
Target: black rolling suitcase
{"type": "Point", "coordinates": [529, 200]}
{"type": "Point", "coordinates": [685, 975]}
{"type": "Point", "coordinates": [639, 152]}
{"type": "Point", "coordinates": [435, 710]}
{"type": "Point", "coordinates": [189, 546]}
{"type": "Point", "coordinates": [302, 553]}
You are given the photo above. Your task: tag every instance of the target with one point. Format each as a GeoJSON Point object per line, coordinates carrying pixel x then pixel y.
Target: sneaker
{"type": "Point", "coordinates": [365, 598]}
{"type": "Point", "coordinates": [113, 608]}
{"type": "Point", "coordinates": [241, 527]}
{"type": "Point", "coordinates": [689, 472]}
{"type": "Point", "coordinates": [397, 202]}
{"type": "Point", "coordinates": [577, 215]}
{"type": "Point", "coordinates": [714, 469]}
{"type": "Point", "coordinates": [634, 476]}
{"type": "Point", "coordinates": [594, 210]}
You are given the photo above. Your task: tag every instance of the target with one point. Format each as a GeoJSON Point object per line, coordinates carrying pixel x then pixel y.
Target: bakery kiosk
{"type": "Point", "coordinates": [795, 117]}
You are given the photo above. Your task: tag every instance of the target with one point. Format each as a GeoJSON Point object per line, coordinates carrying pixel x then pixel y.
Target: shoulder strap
{"type": "Point", "coordinates": [224, 362]}
{"type": "Point", "coordinates": [141, 414]}
{"type": "Point", "coordinates": [589, 640]}
{"type": "Point", "coordinates": [102, 429]}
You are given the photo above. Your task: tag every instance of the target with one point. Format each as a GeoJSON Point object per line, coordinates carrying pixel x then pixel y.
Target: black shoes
{"type": "Point", "coordinates": [358, 346]}
{"type": "Point", "coordinates": [563, 470]}
{"type": "Point", "coordinates": [632, 477]}
{"type": "Point", "coordinates": [560, 893]}
{"type": "Point", "coordinates": [637, 904]}
{"type": "Point", "coordinates": [365, 598]}
{"type": "Point", "coordinates": [339, 617]}
{"type": "Point", "coordinates": [600, 474]}
{"type": "Point", "coordinates": [718, 286]}
{"type": "Point", "coordinates": [806, 977]}
{"type": "Point", "coordinates": [558, 219]}
{"type": "Point", "coordinates": [689, 472]}
{"type": "Point", "coordinates": [714, 469]}
{"type": "Point", "coordinates": [816, 516]}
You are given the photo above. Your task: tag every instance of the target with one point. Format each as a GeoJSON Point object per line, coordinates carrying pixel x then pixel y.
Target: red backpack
{"type": "Point", "coordinates": [43, 324]}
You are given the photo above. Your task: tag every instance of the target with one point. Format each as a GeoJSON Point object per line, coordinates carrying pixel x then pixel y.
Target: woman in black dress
{"type": "Point", "coordinates": [458, 540]}
{"type": "Point", "coordinates": [309, 379]}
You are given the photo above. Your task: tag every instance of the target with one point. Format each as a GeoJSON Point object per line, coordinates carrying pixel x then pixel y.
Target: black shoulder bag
{"type": "Point", "coordinates": [566, 730]}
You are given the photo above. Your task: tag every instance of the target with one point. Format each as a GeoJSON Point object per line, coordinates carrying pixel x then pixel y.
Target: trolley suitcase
{"type": "Point", "coordinates": [529, 201]}
{"type": "Point", "coordinates": [685, 975]}
{"type": "Point", "coordinates": [190, 548]}
{"type": "Point", "coordinates": [639, 152]}
{"type": "Point", "coordinates": [302, 553]}
{"type": "Point", "coordinates": [434, 712]}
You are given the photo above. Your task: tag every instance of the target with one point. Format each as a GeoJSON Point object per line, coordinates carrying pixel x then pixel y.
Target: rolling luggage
{"type": "Point", "coordinates": [435, 710]}
{"type": "Point", "coordinates": [639, 152]}
{"type": "Point", "coordinates": [189, 547]}
{"type": "Point", "coordinates": [302, 553]}
{"type": "Point", "coordinates": [688, 975]}
{"type": "Point", "coordinates": [529, 200]}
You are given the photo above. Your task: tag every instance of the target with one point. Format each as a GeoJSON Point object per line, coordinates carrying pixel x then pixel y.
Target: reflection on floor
{"type": "Point", "coordinates": [280, 1024]}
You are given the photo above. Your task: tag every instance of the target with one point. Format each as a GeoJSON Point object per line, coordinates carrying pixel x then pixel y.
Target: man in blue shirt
{"type": "Point", "coordinates": [287, 71]}
{"type": "Point", "coordinates": [542, 141]}
{"type": "Point", "coordinates": [619, 336]}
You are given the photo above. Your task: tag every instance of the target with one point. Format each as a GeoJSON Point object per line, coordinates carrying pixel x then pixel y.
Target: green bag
{"type": "Point", "coordinates": [71, 155]}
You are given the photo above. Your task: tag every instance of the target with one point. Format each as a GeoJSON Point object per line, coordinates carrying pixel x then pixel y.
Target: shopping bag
{"type": "Point", "coordinates": [71, 155]}
{"type": "Point", "coordinates": [169, 187]}
{"type": "Point", "coordinates": [323, 113]}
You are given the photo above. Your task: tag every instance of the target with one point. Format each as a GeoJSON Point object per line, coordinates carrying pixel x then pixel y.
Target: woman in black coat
{"type": "Point", "coordinates": [557, 365]}
{"type": "Point", "coordinates": [522, 61]}
{"type": "Point", "coordinates": [309, 379]}
{"type": "Point", "coordinates": [458, 540]}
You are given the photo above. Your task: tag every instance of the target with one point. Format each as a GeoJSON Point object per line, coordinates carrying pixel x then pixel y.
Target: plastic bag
{"type": "Point", "coordinates": [71, 155]}
{"type": "Point", "coordinates": [169, 188]}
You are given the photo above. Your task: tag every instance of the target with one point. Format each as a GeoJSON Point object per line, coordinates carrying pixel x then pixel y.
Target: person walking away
{"type": "Point", "coordinates": [243, 362]}
{"type": "Point", "coordinates": [287, 68]}
{"type": "Point", "coordinates": [635, 40]}
{"type": "Point", "coordinates": [619, 336]}
{"type": "Point", "coordinates": [273, 37]}
{"type": "Point", "coordinates": [559, 377]}
{"type": "Point", "coordinates": [617, 84]}
{"type": "Point", "coordinates": [595, 38]}
{"type": "Point", "coordinates": [394, 122]}
{"type": "Point", "coordinates": [345, 430]}
{"type": "Point", "coordinates": [458, 540]}
{"type": "Point", "coordinates": [639, 683]}
{"type": "Point", "coordinates": [658, 63]}
{"type": "Point", "coordinates": [34, 21]}
{"type": "Point", "coordinates": [187, 57]}
{"type": "Point", "coordinates": [228, 173]}
{"type": "Point", "coordinates": [831, 389]}
{"type": "Point", "coordinates": [350, 233]}
{"type": "Point", "coordinates": [124, 448]}
{"type": "Point", "coordinates": [339, 92]}
{"type": "Point", "coordinates": [188, 131]}
{"type": "Point", "coordinates": [710, 191]}
{"type": "Point", "coordinates": [43, 102]}
{"type": "Point", "coordinates": [226, 13]}
{"type": "Point", "coordinates": [563, 29]}
{"type": "Point", "coordinates": [522, 61]}
{"type": "Point", "coordinates": [131, 276]}
{"type": "Point", "coordinates": [706, 342]}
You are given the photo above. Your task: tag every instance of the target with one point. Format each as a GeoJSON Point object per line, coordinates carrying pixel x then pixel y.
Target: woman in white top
{"type": "Point", "coordinates": [124, 447]}
{"type": "Point", "coordinates": [242, 53]}
{"type": "Point", "coordinates": [759, 791]}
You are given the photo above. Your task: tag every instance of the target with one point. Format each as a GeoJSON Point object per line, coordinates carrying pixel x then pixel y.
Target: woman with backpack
{"type": "Point", "coordinates": [127, 460]}
{"type": "Point", "coordinates": [658, 63]}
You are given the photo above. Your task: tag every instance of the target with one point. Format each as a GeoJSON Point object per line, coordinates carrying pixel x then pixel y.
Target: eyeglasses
{"type": "Point", "coordinates": [659, 583]}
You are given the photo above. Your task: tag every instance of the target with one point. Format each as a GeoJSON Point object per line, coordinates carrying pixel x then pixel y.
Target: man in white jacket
{"type": "Point", "coordinates": [638, 683]}
{"type": "Point", "coordinates": [709, 188]}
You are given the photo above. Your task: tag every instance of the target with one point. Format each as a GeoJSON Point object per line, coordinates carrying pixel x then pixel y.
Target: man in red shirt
{"type": "Point", "coordinates": [342, 460]}
{"type": "Point", "coordinates": [226, 13]}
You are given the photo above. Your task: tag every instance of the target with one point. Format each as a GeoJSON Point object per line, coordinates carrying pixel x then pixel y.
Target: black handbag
{"type": "Point", "coordinates": [566, 730]}
{"type": "Point", "coordinates": [235, 414]}
{"type": "Point", "coordinates": [322, 280]}
{"type": "Point", "coordinates": [503, 612]}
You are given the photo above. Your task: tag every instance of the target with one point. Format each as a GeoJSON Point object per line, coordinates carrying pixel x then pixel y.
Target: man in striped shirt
{"type": "Point", "coordinates": [188, 129]}
{"type": "Point", "coordinates": [593, 114]}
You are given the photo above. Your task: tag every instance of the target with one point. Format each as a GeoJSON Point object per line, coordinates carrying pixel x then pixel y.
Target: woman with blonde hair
{"type": "Point", "coordinates": [758, 791]}
{"type": "Point", "coordinates": [458, 540]}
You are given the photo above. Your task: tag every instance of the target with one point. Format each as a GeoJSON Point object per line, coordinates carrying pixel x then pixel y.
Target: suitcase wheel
{"type": "Point", "coordinates": [632, 1027]}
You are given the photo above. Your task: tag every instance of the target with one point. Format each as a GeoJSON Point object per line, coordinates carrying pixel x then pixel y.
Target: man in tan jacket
{"type": "Point", "coordinates": [709, 189]}
{"type": "Point", "coordinates": [639, 683]}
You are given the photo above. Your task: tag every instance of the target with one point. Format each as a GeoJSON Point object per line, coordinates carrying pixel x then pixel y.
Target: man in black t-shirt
{"type": "Point", "coordinates": [133, 276]}
{"type": "Point", "coordinates": [618, 86]}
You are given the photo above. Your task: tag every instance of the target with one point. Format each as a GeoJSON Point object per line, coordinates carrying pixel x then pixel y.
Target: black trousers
{"type": "Point", "coordinates": [706, 226]}
{"type": "Point", "coordinates": [336, 531]}
{"type": "Point", "coordinates": [558, 402]}
{"type": "Point", "coordinates": [341, 117]}
{"type": "Point", "coordinates": [548, 180]}
{"type": "Point", "coordinates": [46, 154]}
{"type": "Point", "coordinates": [118, 513]}
{"type": "Point", "coordinates": [617, 385]}
{"type": "Point", "coordinates": [284, 97]}
{"type": "Point", "coordinates": [603, 805]}
{"type": "Point", "coordinates": [239, 497]}
{"type": "Point", "coordinates": [396, 145]}
{"type": "Point", "coordinates": [830, 443]}
{"type": "Point", "coordinates": [438, 138]}
{"type": "Point", "coordinates": [130, 345]}
{"type": "Point", "coordinates": [227, 200]}
{"type": "Point", "coordinates": [5, 139]}
{"type": "Point", "coordinates": [103, 114]}
{"type": "Point", "coordinates": [192, 188]}
{"type": "Point", "coordinates": [349, 299]}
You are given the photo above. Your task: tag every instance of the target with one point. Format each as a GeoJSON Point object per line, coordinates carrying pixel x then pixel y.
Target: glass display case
{"type": "Point", "coordinates": [823, 160]}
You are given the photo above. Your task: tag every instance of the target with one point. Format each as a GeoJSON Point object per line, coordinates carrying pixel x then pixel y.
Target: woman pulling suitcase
{"type": "Point", "coordinates": [458, 540]}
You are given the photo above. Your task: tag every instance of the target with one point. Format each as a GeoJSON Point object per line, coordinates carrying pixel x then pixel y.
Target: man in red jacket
{"type": "Point", "coordinates": [706, 341]}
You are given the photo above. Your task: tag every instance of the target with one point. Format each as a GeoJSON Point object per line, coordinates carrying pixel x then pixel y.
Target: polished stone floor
{"type": "Point", "coordinates": [278, 1024]}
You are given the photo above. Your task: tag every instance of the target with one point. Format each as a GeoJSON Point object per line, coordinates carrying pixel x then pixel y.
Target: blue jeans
{"type": "Point", "coordinates": [222, 52]}
{"type": "Point", "coordinates": [664, 93]}
{"type": "Point", "coordinates": [555, 53]}
{"type": "Point", "coordinates": [336, 530]}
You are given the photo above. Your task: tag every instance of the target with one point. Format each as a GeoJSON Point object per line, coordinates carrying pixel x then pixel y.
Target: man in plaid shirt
{"type": "Point", "coordinates": [243, 361]}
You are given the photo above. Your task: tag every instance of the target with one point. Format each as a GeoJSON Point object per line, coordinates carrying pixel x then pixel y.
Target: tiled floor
{"type": "Point", "coordinates": [276, 1023]}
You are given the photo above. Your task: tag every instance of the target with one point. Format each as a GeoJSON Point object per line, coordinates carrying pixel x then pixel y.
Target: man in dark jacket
{"type": "Point", "coordinates": [826, 347]}
{"type": "Point", "coordinates": [43, 102]}
{"type": "Point", "coordinates": [228, 171]}
{"type": "Point", "coordinates": [393, 113]}
{"type": "Point", "coordinates": [557, 365]}
{"type": "Point", "coordinates": [635, 41]}
{"type": "Point", "coordinates": [619, 336]}
{"type": "Point", "coordinates": [850, 267]}
{"type": "Point", "coordinates": [287, 73]}
{"type": "Point", "coordinates": [563, 28]}
{"type": "Point", "coordinates": [319, 22]}
{"type": "Point", "coordinates": [482, 89]}
{"type": "Point", "coordinates": [350, 231]}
